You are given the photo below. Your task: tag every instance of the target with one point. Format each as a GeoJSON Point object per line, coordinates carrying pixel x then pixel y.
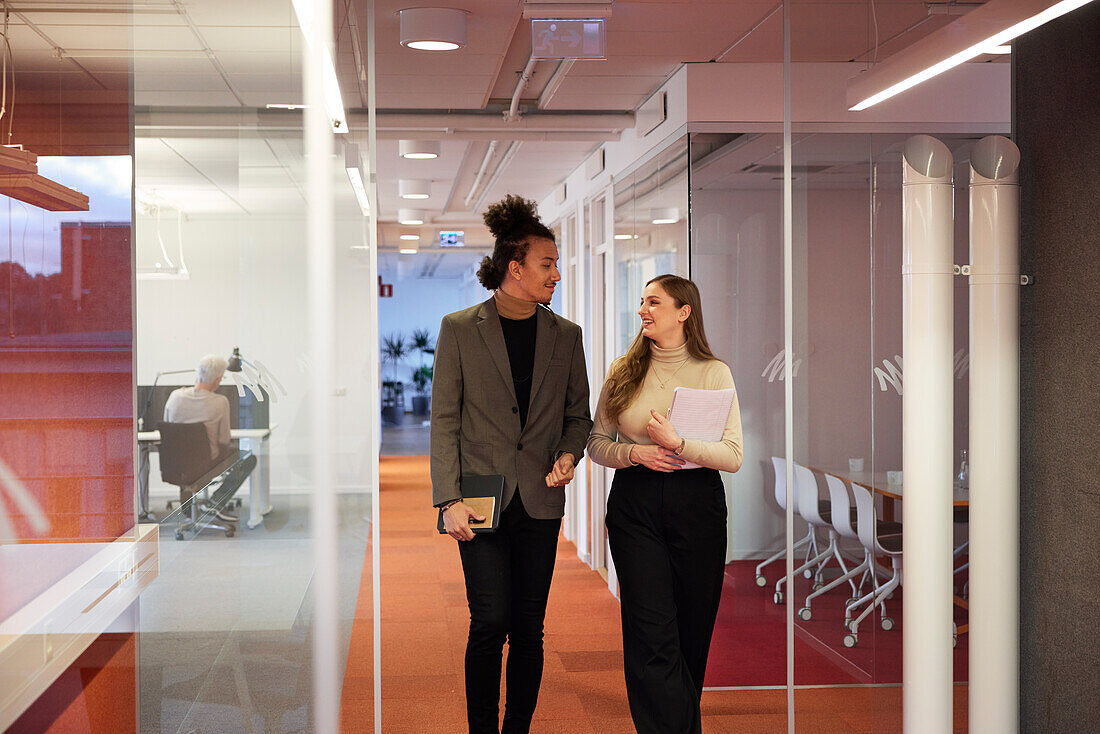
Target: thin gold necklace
{"type": "Point", "coordinates": [661, 384]}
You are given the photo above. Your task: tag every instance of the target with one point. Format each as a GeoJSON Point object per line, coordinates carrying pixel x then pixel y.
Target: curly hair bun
{"type": "Point", "coordinates": [513, 214]}
{"type": "Point", "coordinates": [488, 275]}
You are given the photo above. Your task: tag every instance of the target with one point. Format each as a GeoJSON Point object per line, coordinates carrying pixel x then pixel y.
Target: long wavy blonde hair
{"type": "Point", "coordinates": [630, 371]}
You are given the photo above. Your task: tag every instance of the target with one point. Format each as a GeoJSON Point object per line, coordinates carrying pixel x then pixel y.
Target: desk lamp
{"type": "Point", "coordinates": [253, 375]}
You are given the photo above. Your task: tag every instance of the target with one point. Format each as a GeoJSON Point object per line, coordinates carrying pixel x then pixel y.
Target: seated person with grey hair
{"type": "Point", "coordinates": [201, 404]}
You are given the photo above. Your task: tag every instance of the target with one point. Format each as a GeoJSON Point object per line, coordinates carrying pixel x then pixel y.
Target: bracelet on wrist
{"type": "Point", "coordinates": [448, 505]}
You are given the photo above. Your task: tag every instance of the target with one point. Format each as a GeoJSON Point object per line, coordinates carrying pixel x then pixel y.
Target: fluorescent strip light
{"type": "Point", "coordinates": [626, 236]}
{"type": "Point", "coordinates": [330, 85]}
{"type": "Point", "coordinates": [992, 14]}
{"type": "Point", "coordinates": [1000, 50]}
{"type": "Point", "coordinates": [410, 237]}
{"type": "Point", "coordinates": [407, 251]}
{"type": "Point", "coordinates": [353, 165]}
{"type": "Point", "coordinates": [279, 106]}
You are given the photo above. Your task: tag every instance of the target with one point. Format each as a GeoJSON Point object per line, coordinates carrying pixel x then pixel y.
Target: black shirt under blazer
{"type": "Point", "coordinates": [475, 419]}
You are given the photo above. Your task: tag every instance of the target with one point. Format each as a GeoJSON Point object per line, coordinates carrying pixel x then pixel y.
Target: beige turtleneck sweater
{"type": "Point", "coordinates": [610, 443]}
{"type": "Point", "coordinates": [511, 307]}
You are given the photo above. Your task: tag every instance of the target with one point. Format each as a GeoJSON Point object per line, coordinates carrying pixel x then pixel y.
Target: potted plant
{"type": "Point", "coordinates": [422, 401]}
{"type": "Point", "coordinates": [394, 349]}
{"type": "Point", "coordinates": [421, 341]}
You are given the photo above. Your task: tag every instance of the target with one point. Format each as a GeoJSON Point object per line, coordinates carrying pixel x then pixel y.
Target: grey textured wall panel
{"type": "Point", "coordinates": [1057, 123]}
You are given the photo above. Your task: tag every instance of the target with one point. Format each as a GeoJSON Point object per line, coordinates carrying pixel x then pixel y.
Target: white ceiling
{"type": "Point", "coordinates": [194, 58]}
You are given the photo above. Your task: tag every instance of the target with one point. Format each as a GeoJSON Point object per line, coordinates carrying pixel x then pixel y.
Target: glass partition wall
{"type": "Point", "coordinates": [224, 254]}
{"type": "Point", "coordinates": [848, 385]}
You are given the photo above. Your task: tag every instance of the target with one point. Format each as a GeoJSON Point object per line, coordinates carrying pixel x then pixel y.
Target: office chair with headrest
{"type": "Point", "coordinates": [185, 462]}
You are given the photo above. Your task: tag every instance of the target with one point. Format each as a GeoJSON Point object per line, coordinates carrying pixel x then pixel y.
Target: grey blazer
{"type": "Point", "coordinates": [475, 419]}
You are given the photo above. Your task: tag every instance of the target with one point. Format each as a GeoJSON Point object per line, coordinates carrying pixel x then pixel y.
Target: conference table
{"type": "Point", "coordinates": [892, 494]}
{"type": "Point", "coordinates": [259, 481]}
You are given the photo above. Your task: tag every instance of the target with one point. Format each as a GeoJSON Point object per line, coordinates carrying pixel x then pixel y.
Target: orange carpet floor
{"type": "Point", "coordinates": [425, 622]}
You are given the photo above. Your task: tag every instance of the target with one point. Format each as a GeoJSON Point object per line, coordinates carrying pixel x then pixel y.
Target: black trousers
{"type": "Point", "coordinates": [667, 533]}
{"type": "Point", "coordinates": [508, 575]}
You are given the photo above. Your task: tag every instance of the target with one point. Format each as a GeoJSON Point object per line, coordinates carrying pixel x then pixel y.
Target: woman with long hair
{"type": "Point", "coordinates": [666, 525]}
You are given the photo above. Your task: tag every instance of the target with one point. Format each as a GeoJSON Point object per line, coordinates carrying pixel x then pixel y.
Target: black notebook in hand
{"type": "Point", "coordinates": [483, 493]}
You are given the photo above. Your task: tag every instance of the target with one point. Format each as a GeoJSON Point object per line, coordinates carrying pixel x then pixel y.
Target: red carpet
{"type": "Point", "coordinates": [749, 645]}
{"type": "Point", "coordinates": [425, 621]}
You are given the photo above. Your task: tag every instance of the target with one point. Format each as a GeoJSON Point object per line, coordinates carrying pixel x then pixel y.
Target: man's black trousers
{"type": "Point", "coordinates": [667, 533]}
{"type": "Point", "coordinates": [508, 575]}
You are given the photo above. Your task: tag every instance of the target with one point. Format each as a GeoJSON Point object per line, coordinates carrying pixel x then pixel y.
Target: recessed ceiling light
{"type": "Point", "coordinates": [433, 29]}
{"type": "Point", "coordinates": [410, 217]}
{"type": "Point", "coordinates": [410, 188]}
{"type": "Point", "coordinates": [407, 251]}
{"type": "Point", "coordinates": [419, 149]}
{"type": "Point", "coordinates": [626, 236]}
{"type": "Point", "coordinates": [410, 237]}
{"type": "Point", "coordinates": [665, 215]}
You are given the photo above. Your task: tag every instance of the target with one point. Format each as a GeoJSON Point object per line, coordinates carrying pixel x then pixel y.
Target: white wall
{"type": "Point", "coordinates": [248, 289]}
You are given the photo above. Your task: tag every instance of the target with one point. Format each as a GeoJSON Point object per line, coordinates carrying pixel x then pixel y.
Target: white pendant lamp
{"type": "Point", "coordinates": [433, 29]}
{"type": "Point", "coordinates": [419, 149]}
{"type": "Point", "coordinates": [414, 188]}
{"type": "Point", "coordinates": [410, 217]}
{"type": "Point", "coordinates": [665, 215]}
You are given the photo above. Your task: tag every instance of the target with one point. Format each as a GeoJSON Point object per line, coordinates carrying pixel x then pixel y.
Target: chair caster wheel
{"type": "Point", "coordinates": [851, 640]}
{"type": "Point", "coordinates": [954, 641]}
{"type": "Point", "coordinates": [179, 535]}
{"type": "Point", "coordinates": [807, 574]}
{"type": "Point", "coordinates": [848, 625]}
{"type": "Point", "coordinates": [886, 623]}
{"type": "Point", "coordinates": [778, 598]}
{"type": "Point", "coordinates": [229, 533]}
{"type": "Point", "coordinates": [818, 586]}
{"type": "Point", "coordinates": [805, 614]}
{"type": "Point", "coordinates": [761, 581]}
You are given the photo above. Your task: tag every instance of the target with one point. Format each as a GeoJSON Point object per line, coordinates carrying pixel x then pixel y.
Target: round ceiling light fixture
{"type": "Point", "coordinates": [433, 29]}
{"type": "Point", "coordinates": [410, 217]}
{"type": "Point", "coordinates": [414, 188]}
{"type": "Point", "coordinates": [419, 149]}
{"type": "Point", "coordinates": [665, 215]}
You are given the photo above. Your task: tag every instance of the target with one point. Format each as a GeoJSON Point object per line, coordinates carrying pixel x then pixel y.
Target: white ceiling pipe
{"type": "Point", "coordinates": [149, 122]}
{"type": "Point", "coordinates": [504, 161]}
{"type": "Point", "coordinates": [524, 80]}
{"type": "Point", "coordinates": [927, 333]}
{"type": "Point", "coordinates": [554, 84]}
{"type": "Point", "coordinates": [994, 436]}
{"type": "Point", "coordinates": [480, 172]}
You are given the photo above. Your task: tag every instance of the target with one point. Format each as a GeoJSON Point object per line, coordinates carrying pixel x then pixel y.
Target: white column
{"type": "Point", "coordinates": [927, 272]}
{"type": "Point", "coordinates": [318, 141]}
{"type": "Point", "coordinates": [994, 436]}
